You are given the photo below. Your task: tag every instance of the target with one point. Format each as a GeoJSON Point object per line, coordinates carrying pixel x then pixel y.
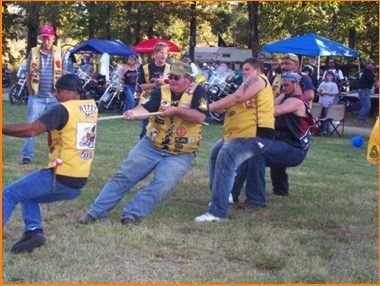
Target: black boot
{"type": "Point", "coordinates": [29, 241]}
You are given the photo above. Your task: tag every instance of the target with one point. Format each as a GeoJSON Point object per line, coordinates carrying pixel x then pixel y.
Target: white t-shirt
{"type": "Point", "coordinates": [326, 100]}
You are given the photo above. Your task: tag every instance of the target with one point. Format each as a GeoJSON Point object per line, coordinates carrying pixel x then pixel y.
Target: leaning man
{"type": "Point", "coordinates": [71, 128]}
{"type": "Point", "coordinates": [167, 149]}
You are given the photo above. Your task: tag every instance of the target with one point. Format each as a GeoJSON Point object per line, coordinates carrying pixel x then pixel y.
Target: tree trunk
{"type": "Point", "coordinates": [253, 11]}
{"type": "Point", "coordinates": [32, 23]}
{"type": "Point", "coordinates": [193, 30]}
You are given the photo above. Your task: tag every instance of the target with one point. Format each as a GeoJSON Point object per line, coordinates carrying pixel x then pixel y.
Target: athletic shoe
{"type": "Point", "coordinates": [29, 241]}
{"type": "Point", "coordinates": [208, 217]}
{"type": "Point", "coordinates": [25, 161]}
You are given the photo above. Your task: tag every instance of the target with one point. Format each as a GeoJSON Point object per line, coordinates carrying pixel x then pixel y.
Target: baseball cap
{"type": "Point", "coordinates": [46, 31]}
{"type": "Point", "coordinates": [180, 69]}
{"type": "Point", "coordinates": [290, 56]}
{"type": "Point", "coordinates": [70, 82]}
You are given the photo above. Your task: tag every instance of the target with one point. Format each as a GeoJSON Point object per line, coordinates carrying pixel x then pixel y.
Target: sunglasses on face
{"type": "Point", "coordinates": [175, 77]}
{"type": "Point", "coordinates": [274, 64]}
{"type": "Point", "coordinates": [331, 63]}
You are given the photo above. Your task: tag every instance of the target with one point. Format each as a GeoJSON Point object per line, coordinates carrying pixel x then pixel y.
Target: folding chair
{"type": "Point", "coordinates": [335, 116]}
{"type": "Point", "coordinates": [316, 112]}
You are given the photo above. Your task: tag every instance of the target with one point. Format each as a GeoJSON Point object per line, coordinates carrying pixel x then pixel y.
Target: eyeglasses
{"type": "Point", "coordinates": [175, 77]}
{"type": "Point", "coordinates": [331, 62]}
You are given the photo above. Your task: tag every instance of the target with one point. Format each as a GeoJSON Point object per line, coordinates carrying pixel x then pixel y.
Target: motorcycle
{"type": "Point", "coordinates": [7, 77]}
{"type": "Point", "coordinates": [217, 88]}
{"type": "Point", "coordinates": [19, 91]}
{"type": "Point", "coordinates": [110, 100]}
{"type": "Point", "coordinates": [92, 85]}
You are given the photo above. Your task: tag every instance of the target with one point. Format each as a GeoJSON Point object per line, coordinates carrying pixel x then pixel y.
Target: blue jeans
{"type": "Point", "coordinates": [37, 106]}
{"type": "Point", "coordinates": [130, 99]}
{"type": "Point", "coordinates": [144, 158]}
{"type": "Point", "coordinates": [31, 190]}
{"type": "Point", "coordinates": [278, 157]}
{"type": "Point", "coordinates": [365, 103]}
{"type": "Point", "coordinates": [144, 124]}
{"type": "Point", "coordinates": [225, 157]}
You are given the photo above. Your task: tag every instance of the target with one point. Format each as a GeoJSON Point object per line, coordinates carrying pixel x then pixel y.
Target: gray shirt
{"type": "Point", "coordinates": [46, 87]}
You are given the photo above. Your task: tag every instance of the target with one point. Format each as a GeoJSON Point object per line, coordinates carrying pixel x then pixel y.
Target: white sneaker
{"type": "Point", "coordinates": [230, 199]}
{"type": "Point", "coordinates": [207, 217]}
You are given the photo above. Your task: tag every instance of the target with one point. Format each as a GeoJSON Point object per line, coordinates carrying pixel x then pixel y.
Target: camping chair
{"type": "Point", "coordinates": [316, 111]}
{"type": "Point", "coordinates": [335, 116]}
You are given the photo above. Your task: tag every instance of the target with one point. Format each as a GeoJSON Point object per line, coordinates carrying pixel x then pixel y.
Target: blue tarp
{"type": "Point", "coordinates": [310, 45]}
{"type": "Point", "coordinates": [113, 48]}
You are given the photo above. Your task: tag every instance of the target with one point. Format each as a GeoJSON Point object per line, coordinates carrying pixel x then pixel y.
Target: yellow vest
{"type": "Point", "coordinates": [35, 66]}
{"type": "Point", "coordinates": [185, 136]}
{"type": "Point", "coordinates": [242, 120]}
{"type": "Point", "coordinates": [276, 85]}
{"type": "Point", "coordinates": [75, 143]}
{"type": "Point", "coordinates": [373, 145]}
{"type": "Point", "coordinates": [144, 98]}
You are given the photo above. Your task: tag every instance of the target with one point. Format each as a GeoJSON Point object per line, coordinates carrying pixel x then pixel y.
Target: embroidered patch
{"type": "Point", "coordinates": [181, 131]}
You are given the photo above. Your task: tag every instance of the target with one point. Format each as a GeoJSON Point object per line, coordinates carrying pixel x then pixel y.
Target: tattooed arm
{"type": "Point", "coordinates": [249, 89]}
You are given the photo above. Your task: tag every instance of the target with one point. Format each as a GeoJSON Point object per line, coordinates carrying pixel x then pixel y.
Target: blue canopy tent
{"type": "Point", "coordinates": [114, 48]}
{"type": "Point", "coordinates": [106, 48]}
{"type": "Point", "coordinates": [311, 45]}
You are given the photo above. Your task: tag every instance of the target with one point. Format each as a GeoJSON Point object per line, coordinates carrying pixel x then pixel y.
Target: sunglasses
{"type": "Point", "coordinates": [175, 77]}
{"type": "Point", "coordinates": [261, 58]}
{"type": "Point", "coordinates": [274, 64]}
{"type": "Point", "coordinates": [331, 62]}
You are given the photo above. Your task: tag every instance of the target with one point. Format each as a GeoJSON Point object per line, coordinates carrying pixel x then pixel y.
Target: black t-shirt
{"type": "Point", "coordinates": [154, 72]}
{"type": "Point", "coordinates": [199, 96]}
{"type": "Point", "coordinates": [56, 119]}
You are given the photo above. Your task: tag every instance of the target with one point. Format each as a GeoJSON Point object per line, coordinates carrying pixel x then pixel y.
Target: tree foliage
{"type": "Point", "coordinates": [242, 24]}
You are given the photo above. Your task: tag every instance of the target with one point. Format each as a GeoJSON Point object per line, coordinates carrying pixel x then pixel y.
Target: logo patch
{"type": "Point", "coordinates": [182, 140]}
{"type": "Point", "coordinates": [181, 131]}
{"type": "Point", "coordinates": [164, 103]}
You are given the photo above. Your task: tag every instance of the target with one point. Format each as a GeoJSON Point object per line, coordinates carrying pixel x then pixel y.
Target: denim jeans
{"type": "Point", "coordinates": [144, 158]}
{"type": "Point", "coordinates": [129, 98]}
{"type": "Point", "coordinates": [225, 157]}
{"type": "Point", "coordinates": [31, 190]}
{"type": "Point", "coordinates": [37, 106]}
{"type": "Point", "coordinates": [278, 157]}
{"type": "Point", "coordinates": [365, 103]}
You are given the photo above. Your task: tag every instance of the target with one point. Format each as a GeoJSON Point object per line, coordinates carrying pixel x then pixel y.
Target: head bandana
{"type": "Point", "coordinates": [291, 76]}
{"type": "Point", "coordinates": [70, 82]}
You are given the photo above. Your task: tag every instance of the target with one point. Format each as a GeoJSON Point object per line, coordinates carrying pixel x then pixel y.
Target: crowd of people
{"type": "Point", "coordinates": [268, 123]}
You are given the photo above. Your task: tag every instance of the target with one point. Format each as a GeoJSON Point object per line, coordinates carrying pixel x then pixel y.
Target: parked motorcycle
{"type": "Point", "coordinates": [7, 76]}
{"type": "Point", "coordinates": [19, 91]}
{"type": "Point", "coordinates": [93, 85]}
{"type": "Point", "coordinates": [111, 100]}
{"type": "Point", "coordinates": [217, 89]}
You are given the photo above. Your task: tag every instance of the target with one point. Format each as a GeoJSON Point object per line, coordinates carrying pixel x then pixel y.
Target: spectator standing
{"type": "Point", "coordinates": [45, 64]}
{"type": "Point", "coordinates": [168, 149]}
{"type": "Point", "coordinates": [338, 75]}
{"type": "Point", "coordinates": [71, 128]}
{"type": "Point", "coordinates": [243, 135]}
{"type": "Point", "coordinates": [128, 80]}
{"type": "Point", "coordinates": [71, 61]}
{"type": "Point", "coordinates": [274, 70]}
{"type": "Point", "coordinates": [86, 63]}
{"type": "Point", "coordinates": [327, 91]}
{"type": "Point", "coordinates": [237, 75]}
{"type": "Point", "coordinates": [185, 58]}
{"type": "Point", "coordinates": [314, 76]}
{"type": "Point", "coordinates": [261, 58]}
{"type": "Point", "coordinates": [152, 75]}
{"type": "Point", "coordinates": [366, 82]}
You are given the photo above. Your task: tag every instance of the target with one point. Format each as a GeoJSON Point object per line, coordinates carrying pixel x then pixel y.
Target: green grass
{"type": "Point", "coordinates": [326, 231]}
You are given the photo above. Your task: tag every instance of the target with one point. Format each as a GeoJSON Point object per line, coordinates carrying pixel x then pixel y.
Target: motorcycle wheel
{"type": "Point", "coordinates": [216, 116]}
{"type": "Point", "coordinates": [6, 82]}
{"type": "Point", "coordinates": [14, 97]}
{"type": "Point", "coordinates": [101, 106]}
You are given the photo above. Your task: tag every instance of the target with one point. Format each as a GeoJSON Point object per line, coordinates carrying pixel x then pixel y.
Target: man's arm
{"type": "Point", "coordinates": [24, 130]}
{"type": "Point", "coordinates": [249, 89]}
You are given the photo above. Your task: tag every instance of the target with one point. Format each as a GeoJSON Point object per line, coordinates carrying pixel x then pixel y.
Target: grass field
{"type": "Point", "coordinates": [325, 232]}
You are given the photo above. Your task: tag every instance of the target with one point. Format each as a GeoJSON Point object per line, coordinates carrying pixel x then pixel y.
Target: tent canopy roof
{"type": "Point", "coordinates": [114, 48]}
{"type": "Point", "coordinates": [310, 45]}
